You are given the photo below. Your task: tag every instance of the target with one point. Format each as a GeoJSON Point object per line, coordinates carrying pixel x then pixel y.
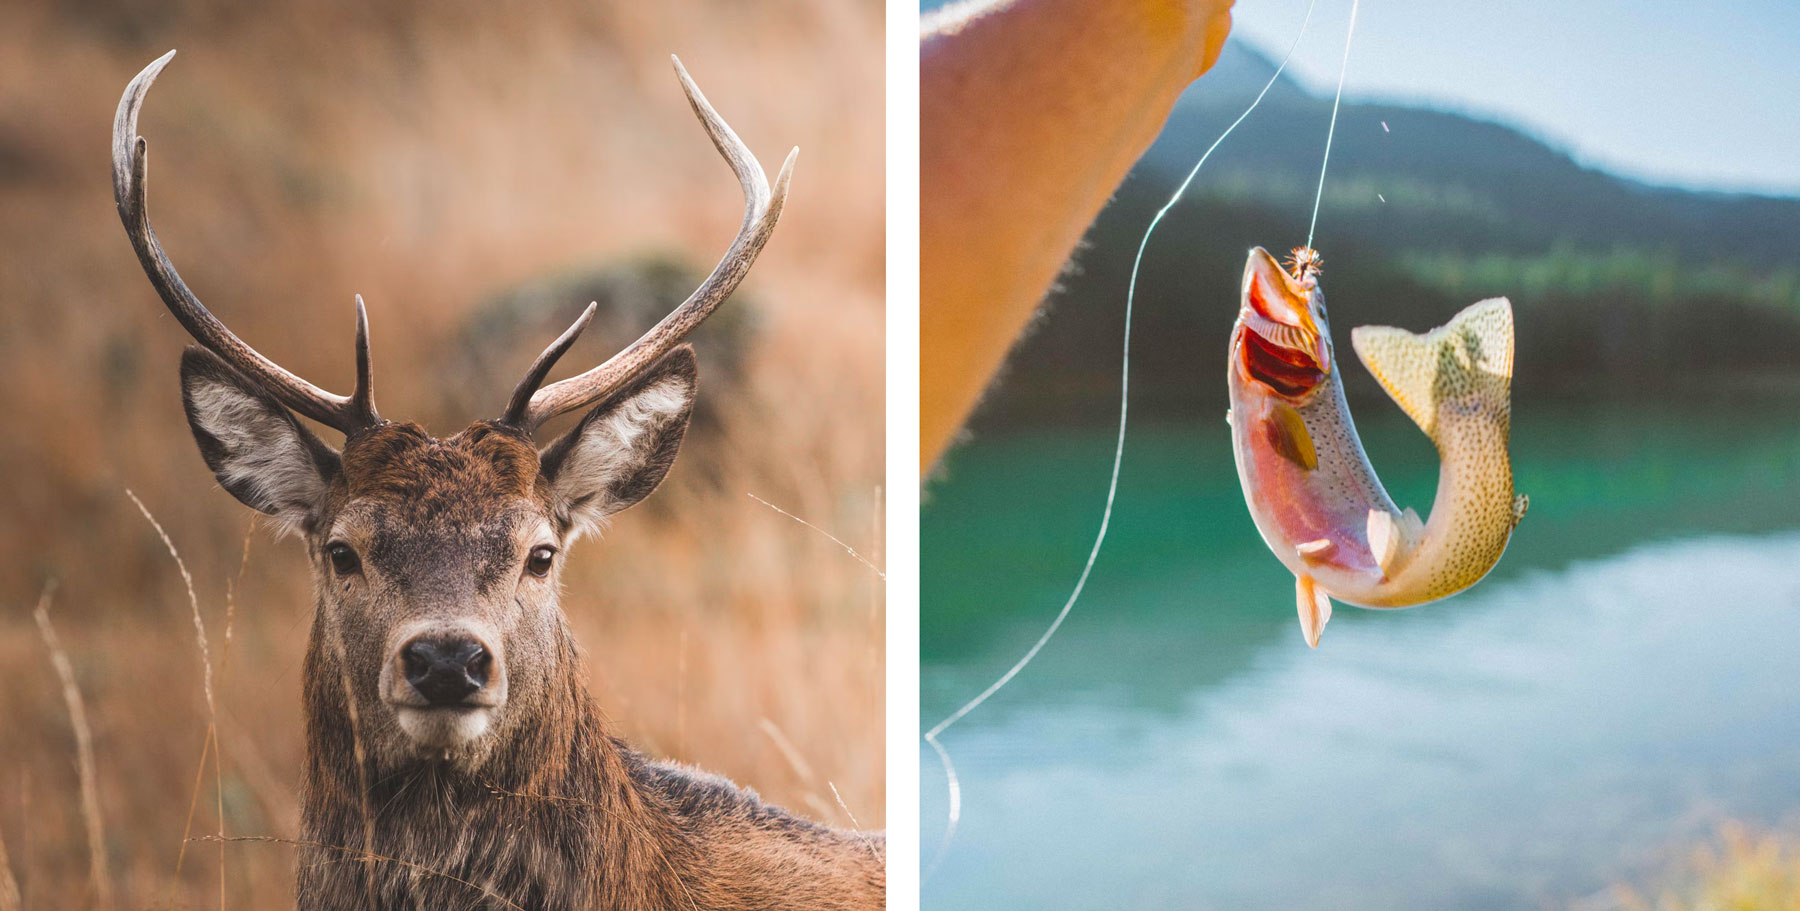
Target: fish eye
{"type": "Point", "coordinates": [538, 564]}
{"type": "Point", "coordinates": [343, 559]}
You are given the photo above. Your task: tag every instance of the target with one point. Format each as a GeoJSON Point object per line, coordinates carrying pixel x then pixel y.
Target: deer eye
{"type": "Point", "coordinates": [538, 564]}
{"type": "Point", "coordinates": [343, 559]}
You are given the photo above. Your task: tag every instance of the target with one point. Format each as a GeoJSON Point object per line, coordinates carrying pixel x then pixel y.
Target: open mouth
{"type": "Point", "coordinates": [1288, 371]}
{"type": "Point", "coordinates": [1280, 343]}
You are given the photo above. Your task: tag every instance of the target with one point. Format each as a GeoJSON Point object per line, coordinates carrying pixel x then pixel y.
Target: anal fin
{"type": "Point", "coordinates": [1393, 538]}
{"type": "Point", "coordinates": [1315, 609]}
{"type": "Point", "coordinates": [1521, 503]}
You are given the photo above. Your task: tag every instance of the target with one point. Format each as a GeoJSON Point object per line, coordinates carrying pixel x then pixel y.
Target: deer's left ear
{"type": "Point", "coordinates": [624, 447]}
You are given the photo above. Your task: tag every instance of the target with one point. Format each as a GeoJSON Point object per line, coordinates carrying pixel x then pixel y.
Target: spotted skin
{"type": "Point", "coordinates": [1453, 382]}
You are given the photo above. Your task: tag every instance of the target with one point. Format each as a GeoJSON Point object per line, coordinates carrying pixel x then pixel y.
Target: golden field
{"type": "Point", "coordinates": [434, 158]}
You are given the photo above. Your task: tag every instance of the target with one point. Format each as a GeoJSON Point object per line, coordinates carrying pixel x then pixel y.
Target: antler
{"type": "Point", "coordinates": [530, 406]}
{"type": "Point", "coordinates": [130, 165]}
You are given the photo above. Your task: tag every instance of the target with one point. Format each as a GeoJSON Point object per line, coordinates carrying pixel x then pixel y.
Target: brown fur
{"type": "Point", "coordinates": [545, 809]}
{"type": "Point", "coordinates": [449, 480]}
{"type": "Point", "coordinates": [569, 817]}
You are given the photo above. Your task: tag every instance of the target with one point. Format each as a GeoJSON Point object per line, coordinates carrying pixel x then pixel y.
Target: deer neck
{"type": "Point", "coordinates": [558, 816]}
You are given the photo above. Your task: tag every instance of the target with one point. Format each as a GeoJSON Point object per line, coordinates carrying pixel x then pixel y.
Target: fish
{"type": "Point", "coordinates": [1307, 481]}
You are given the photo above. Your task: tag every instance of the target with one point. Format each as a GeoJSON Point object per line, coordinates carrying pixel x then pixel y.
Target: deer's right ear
{"type": "Point", "coordinates": [257, 449]}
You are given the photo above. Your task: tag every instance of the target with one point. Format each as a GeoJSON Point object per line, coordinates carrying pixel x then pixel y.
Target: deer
{"type": "Point", "coordinates": [454, 756]}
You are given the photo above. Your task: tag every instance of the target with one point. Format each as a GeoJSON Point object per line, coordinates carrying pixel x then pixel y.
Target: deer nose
{"type": "Point", "coordinates": [445, 670]}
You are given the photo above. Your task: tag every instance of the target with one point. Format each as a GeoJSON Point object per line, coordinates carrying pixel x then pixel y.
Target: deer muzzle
{"type": "Point", "coordinates": [445, 670]}
{"type": "Point", "coordinates": [444, 683]}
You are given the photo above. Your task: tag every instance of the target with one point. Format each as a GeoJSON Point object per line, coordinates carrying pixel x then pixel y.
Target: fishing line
{"type": "Point", "coordinates": [954, 786]}
{"type": "Point", "coordinates": [1332, 130]}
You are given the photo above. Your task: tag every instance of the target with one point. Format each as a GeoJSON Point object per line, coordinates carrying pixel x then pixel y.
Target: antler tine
{"type": "Point", "coordinates": [130, 167]}
{"type": "Point", "coordinates": [517, 408]}
{"type": "Point", "coordinates": [762, 208]}
{"type": "Point", "coordinates": [362, 398]}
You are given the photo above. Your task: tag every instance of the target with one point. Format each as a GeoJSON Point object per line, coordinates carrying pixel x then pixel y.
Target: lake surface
{"type": "Point", "coordinates": [1627, 678]}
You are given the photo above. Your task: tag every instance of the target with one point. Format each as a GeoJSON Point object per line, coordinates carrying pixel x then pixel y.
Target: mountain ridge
{"type": "Point", "coordinates": [1447, 147]}
{"type": "Point", "coordinates": [1617, 284]}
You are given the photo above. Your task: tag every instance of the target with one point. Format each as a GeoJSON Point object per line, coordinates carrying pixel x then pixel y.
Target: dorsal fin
{"type": "Point", "coordinates": [1460, 358]}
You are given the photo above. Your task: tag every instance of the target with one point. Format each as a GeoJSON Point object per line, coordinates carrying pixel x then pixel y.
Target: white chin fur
{"type": "Point", "coordinates": [444, 729]}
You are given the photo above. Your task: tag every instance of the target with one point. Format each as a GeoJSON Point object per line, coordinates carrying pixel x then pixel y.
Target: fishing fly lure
{"type": "Point", "coordinates": [1309, 485]}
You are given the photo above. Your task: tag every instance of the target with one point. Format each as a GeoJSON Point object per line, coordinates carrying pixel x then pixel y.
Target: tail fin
{"type": "Point", "coordinates": [1470, 356]}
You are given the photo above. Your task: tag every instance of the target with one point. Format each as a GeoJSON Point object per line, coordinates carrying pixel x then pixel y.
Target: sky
{"type": "Point", "coordinates": [1696, 95]}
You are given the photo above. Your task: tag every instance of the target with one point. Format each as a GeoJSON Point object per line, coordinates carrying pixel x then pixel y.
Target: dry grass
{"type": "Point", "coordinates": [429, 157]}
{"type": "Point", "coordinates": [100, 886]}
{"type": "Point", "coordinates": [1742, 869]}
{"type": "Point", "coordinates": [9, 885]}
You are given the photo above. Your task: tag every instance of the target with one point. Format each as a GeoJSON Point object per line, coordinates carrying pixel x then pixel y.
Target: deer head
{"type": "Point", "coordinates": [436, 561]}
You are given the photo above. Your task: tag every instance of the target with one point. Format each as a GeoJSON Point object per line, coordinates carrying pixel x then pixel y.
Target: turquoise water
{"type": "Point", "coordinates": [1624, 681]}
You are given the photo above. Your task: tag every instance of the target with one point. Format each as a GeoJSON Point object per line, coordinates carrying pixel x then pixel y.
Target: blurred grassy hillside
{"type": "Point", "coordinates": [477, 172]}
{"type": "Point", "coordinates": [1620, 288]}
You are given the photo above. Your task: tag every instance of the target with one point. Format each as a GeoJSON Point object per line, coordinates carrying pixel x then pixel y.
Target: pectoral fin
{"type": "Point", "coordinates": [1315, 609]}
{"type": "Point", "coordinates": [1393, 538]}
{"type": "Point", "coordinates": [1288, 435]}
{"type": "Point", "coordinates": [1468, 359]}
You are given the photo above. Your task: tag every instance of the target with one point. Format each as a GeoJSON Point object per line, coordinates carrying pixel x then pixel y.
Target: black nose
{"type": "Point", "coordinates": [445, 670]}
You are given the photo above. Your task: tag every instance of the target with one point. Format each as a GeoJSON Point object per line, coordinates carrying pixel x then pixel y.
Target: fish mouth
{"type": "Point", "coordinates": [1279, 342]}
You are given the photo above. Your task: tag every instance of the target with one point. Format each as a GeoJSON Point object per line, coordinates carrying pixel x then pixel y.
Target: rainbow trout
{"type": "Point", "coordinates": [1307, 481]}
